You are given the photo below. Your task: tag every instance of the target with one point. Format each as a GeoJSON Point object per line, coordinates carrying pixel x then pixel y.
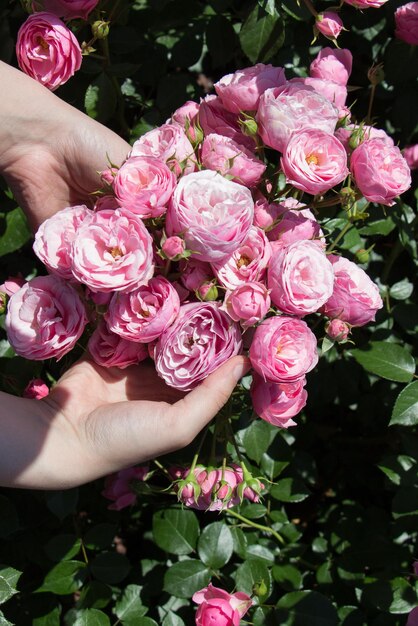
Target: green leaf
{"type": "Point", "coordinates": [405, 411]}
{"type": "Point", "coordinates": [91, 617]}
{"type": "Point", "coordinates": [253, 510]}
{"type": "Point", "coordinates": [253, 572]}
{"type": "Point", "coordinates": [183, 579]}
{"type": "Point", "coordinates": [395, 596]}
{"type": "Point", "coordinates": [378, 227]}
{"type": "Point", "coordinates": [145, 621]}
{"type": "Point", "coordinates": [269, 6]}
{"type": "Point", "coordinates": [288, 577]}
{"type": "Point", "coordinates": [308, 607]}
{"type": "Point", "coordinates": [52, 618]}
{"type": "Point", "coordinates": [9, 521]}
{"type": "Point", "coordinates": [175, 530]}
{"type": "Point", "coordinates": [171, 619]}
{"type": "Point", "coordinates": [110, 567]}
{"type": "Point", "coordinates": [8, 580]}
{"type": "Point", "coordinates": [261, 35]}
{"type": "Point", "coordinates": [387, 360]}
{"type": "Point", "coordinates": [94, 595]}
{"type": "Point", "coordinates": [14, 231]}
{"type": "Point", "coordinates": [215, 545]}
{"type": "Point", "coordinates": [290, 490]}
{"type": "Point", "coordinates": [62, 503]}
{"type": "Point", "coordinates": [65, 578]}
{"type": "Point", "coordinates": [100, 100]}
{"type": "Point", "coordinates": [4, 621]}
{"type": "Point", "coordinates": [63, 547]}
{"type": "Point", "coordinates": [220, 39]}
{"type": "Point", "coordinates": [256, 439]}
{"type": "Point", "coordinates": [401, 290]}
{"type": "Point", "coordinates": [100, 536]}
{"type": "Point", "coordinates": [129, 607]}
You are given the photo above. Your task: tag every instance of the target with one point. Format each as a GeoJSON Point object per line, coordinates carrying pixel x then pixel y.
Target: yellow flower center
{"type": "Point", "coordinates": [42, 43]}
{"type": "Point", "coordinates": [116, 252]}
{"type": "Point", "coordinates": [243, 260]}
{"type": "Point", "coordinates": [312, 159]}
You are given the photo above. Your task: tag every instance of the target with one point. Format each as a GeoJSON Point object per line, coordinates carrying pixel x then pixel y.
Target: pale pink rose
{"type": "Point", "coordinates": [265, 213]}
{"type": "Point", "coordinates": [283, 349]}
{"type": "Point", "coordinates": [294, 224]}
{"type": "Point", "coordinates": [118, 487]}
{"type": "Point", "coordinates": [248, 304]}
{"type": "Point", "coordinates": [214, 214]}
{"type": "Point", "coordinates": [334, 92]}
{"type": "Point", "coordinates": [329, 24]}
{"type": "Point", "coordinates": [108, 176]}
{"type": "Point", "coordinates": [12, 284]}
{"type": "Point", "coordinates": [143, 185]}
{"type": "Point", "coordinates": [353, 135]}
{"type": "Point", "coordinates": [200, 340]}
{"type": "Point", "coordinates": [113, 252]}
{"type": "Point", "coordinates": [45, 318]}
{"type": "Point", "coordinates": [410, 154]}
{"type": "Point", "coordinates": [173, 247]}
{"type": "Point", "coordinates": [366, 4]}
{"type": "Point", "coordinates": [332, 64]}
{"type": "Point", "coordinates": [241, 91]}
{"type": "Point", "coordinates": [67, 9]}
{"type": "Point", "coordinates": [168, 143]}
{"type": "Point", "coordinates": [54, 238]}
{"type": "Point", "coordinates": [292, 107]}
{"type": "Point", "coordinates": [214, 118]}
{"type": "Point", "coordinates": [193, 273]}
{"type": "Point", "coordinates": [36, 389]}
{"type": "Point", "coordinates": [220, 608]}
{"type": "Point", "coordinates": [110, 350]}
{"type": "Point", "coordinates": [406, 21]}
{"type": "Point", "coordinates": [186, 117]}
{"type": "Point", "coordinates": [277, 403]}
{"type": "Point", "coordinates": [412, 618]}
{"type": "Point", "coordinates": [337, 330]}
{"type": "Point", "coordinates": [106, 202]}
{"type": "Point", "coordinates": [144, 314]}
{"type": "Point", "coordinates": [314, 161]}
{"type": "Point", "coordinates": [224, 155]}
{"type": "Point", "coordinates": [247, 263]}
{"type": "Point", "coordinates": [355, 298]}
{"type": "Point", "coordinates": [300, 278]}
{"type": "Point", "coordinates": [47, 50]}
{"type": "Point", "coordinates": [380, 171]}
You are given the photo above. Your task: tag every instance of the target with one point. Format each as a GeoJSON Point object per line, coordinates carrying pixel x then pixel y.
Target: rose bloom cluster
{"type": "Point", "coordinates": [190, 255]}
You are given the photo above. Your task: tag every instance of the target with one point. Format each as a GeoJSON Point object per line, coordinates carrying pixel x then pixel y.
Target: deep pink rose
{"type": "Point", "coordinates": [283, 349]}
{"type": "Point", "coordinates": [337, 330]}
{"type": "Point", "coordinates": [247, 263]}
{"type": "Point", "coordinates": [406, 20]}
{"type": "Point", "coordinates": [118, 486]}
{"type": "Point", "coordinates": [47, 50]}
{"type": "Point", "coordinates": [314, 161]}
{"type": "Point", "coordinates": [248, 304]}
{"type": "Point", "coordinates": [106, 202]}
{"type": "Point", "coordinates": [170, 144]}
{"type": "Point", "coordinates": [36, 389]}
{"type": "Point", "coordinates": [173, 247]}
{"type": "Point", "coordinates": [109, 350]}
{"type": "Point", "coordinates": [292, 107]}
{"type": "Point", "coordinates": [45, 318]}
{"type": "Point", "coordinates": [193, 273]}
{"type": "Point", "coordinates": [144, 314]}
{"type": "Point", "coordinates": [329, 24]}
{"type": "Point", "coordinates": [220, 608]}
{"type": "Point", "coordinates": [412, 618]}
{"type": "Point", "coordinates": [67, 9]}
{"type": "Point", "coordinates": [214, 118]}
{"type": "Point", "coordinates": [54, 238]}
{"type": "Point", "coordinates": [355, 298]}
{"type": "Point", "coordinates": [200, 340]}
{"type": "Point", "coordinates": [113, 252]}
{"type": "Point", "coordinates": [241, 91]}
{"type": "Point", "coordinates": [224, 155]}
{"type": "Point", "coordinates": [332, 64]}
{"type": "Point", "coordinates": [380, 171]}
{"type": "Point", "coordinates": [366, 4]}
{"type": "Point", "coordinates": [215, 214]}
{"type": "Point", "coordinates": [143, 185]}
{"type": "Point", "coordinates": [277, 403]}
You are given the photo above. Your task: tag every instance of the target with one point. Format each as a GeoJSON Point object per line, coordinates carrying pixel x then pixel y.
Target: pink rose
{"type": "Point", "coordinates": [45, 318]}
{"type": "Point", "coordinates": [170, 144]}
{"type": "Point", "coordinates": [215, 214]}
{"type": "Point", "coordinates": [353, 135]}
{"type": "Point", "coordinates": [406, 20]}
{"type": "Point", "coordinates": [186, 117]}
{"type": "Point", "coordinates": [47, 50]}
{"type": "Point", "coordinates": [214, 118]}
{"type": "Point", "coordinates": [67, 9]}
{"type": "Point", "coordinates": [292, 107]}
{"type": "Point", "coordinates": [224, 155]}
{"type": "Point", "coordinates": [12, 284]}
{"type": "Point", "coordinates": [380, 171]}
{"type": "Point", "coordinates": [241, 91]}
{"type": "Point", "coordinates": [314, 161]}
{"type": "Point", "coordinates": [294, 224]}
{"type": "Point", "coordinates": [106, 202]}
{"type": "Point", "coordinates": [283, 349]}
{"type": "Point", "coordinates": [193, 273]}
{"type": "Point", "coordinates": [36, 389]}
{"type": "Point", "coordinates": [265, 213]}
{"type": "Point", "coordinates": [410, 154]}
{"type": "Point", "coordinates": [366, 4]}
{"type": "Point", "coordinates": [277, 403]}
{"type": "Point", "coordinates": [337, 330]}
{"type": "Point", "coordinates": [334, 92]}
{"type": "Point", "coordinates": [144, 314]}
{"type": "Point", "coordinates": [209, 489]}
{"type": "Point", "coordinates": [143, 185]}
{"type": "Point", "coordinates": [332, 64]}
{"type": "Point", "coordinates": [200, 340]}
{"type": "Point", "coordinates": [173, 247]}
{"type": "Point", "coordinates": [329, 24]}
{"type": "Point", "coordinates": [355, 298]}
{"type": "Point", "coordinates": [220, 608]}
{"type": "Point", "coordinates": [248, 304]}
{"type": "Point", "coordinates": [247, 263]}
{"type": "Point", "coordinates": [109, 350]}
{"type": "Point", "coordinates": [54, 238]}
{"type": "Point", "coordinates": [118, 487]}
{"type": "Point", "coordinates": [112, 252]}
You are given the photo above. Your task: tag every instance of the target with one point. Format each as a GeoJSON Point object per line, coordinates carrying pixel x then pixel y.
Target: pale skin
{"type": "Point", "coordinates": [95, 420]}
